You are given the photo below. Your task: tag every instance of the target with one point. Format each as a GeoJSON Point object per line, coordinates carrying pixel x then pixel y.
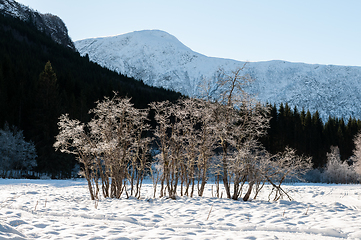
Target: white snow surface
{"type": "Point", "coordinates": [62, 209]}
{"type": "Point", "coordinates": [161, 60]}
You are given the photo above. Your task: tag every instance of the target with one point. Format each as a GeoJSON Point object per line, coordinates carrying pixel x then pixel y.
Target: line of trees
{"type": "Point", "coordinates": [307, 133]}
{"type": "Point", "coordinates": [194, 140]}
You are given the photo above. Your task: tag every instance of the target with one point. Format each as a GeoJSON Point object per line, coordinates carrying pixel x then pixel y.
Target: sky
{"type": "Point", "coordinates": [310, 31]}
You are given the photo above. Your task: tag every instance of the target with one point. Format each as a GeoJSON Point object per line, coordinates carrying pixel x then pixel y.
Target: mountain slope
{"type": "Point", "coordinates": [24, 52]}
{"type": "Point", "coordinates": [153, 56]}
{"type": "Point", "coordinates": [159, 59]}
{"type": "Point", "coordinates": [52, 25]}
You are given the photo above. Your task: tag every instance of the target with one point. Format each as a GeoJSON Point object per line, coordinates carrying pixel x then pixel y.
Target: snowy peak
{"type": "Point", "coordinates": [50, 24]}
{"type": "Point", "coordinates": [155, 38]}
{"type": "Point", "coordinates": [160, 59]}
{"type": "Point", "coordinates": [156, 57]}
{"type": "Point", "coordinates": [148, 48]}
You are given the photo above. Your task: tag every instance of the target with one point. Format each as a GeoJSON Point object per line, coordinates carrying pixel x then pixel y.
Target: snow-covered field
{"type": "Point", "coordinates": [62, 209]}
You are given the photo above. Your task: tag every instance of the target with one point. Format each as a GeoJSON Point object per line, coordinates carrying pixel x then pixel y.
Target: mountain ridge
{"type": "Point", "coordinates": [160, 59]}
{"type": "Point", "coordinates": [51, 24]}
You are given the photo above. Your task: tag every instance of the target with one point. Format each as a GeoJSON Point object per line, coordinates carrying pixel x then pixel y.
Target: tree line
{"type": "Point", "coordinates": [308, 134]}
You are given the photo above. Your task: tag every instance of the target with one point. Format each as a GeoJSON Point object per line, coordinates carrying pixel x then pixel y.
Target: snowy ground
{"type": "Point", "coordinates": [61, 209]}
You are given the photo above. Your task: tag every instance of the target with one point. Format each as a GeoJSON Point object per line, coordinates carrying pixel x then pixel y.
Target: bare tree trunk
{"type": "Point", "coordinates": [225, 177]}
{"type": "Point", "coordinates": [162, 186]}
{"type": "Point", "coordinates": [90, 187]}
{"type": "Point", "coordinates": [249, 191]}
{"type": "Point", "coordinates": [258, 189]}
{"type": "Point", "coordinates": [217, 186]}
{"type": "Point", "coordinates": [235, 189]}
{"type": "Point", "coordinates": [203, 183]}
{"type": "Point", "coordinates": [192, 190]}
{"type": "Point", "coordinates": [88, 179]}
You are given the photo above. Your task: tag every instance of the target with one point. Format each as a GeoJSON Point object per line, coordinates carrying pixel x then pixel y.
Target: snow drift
{"type": "Point", "coordinates": [62, 209]}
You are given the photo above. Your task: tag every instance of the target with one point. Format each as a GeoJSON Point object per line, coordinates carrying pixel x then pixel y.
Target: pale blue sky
{"type": "Point", "coordinates": [311, 31]}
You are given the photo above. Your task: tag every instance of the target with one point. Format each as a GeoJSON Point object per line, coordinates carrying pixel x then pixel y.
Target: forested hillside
{"type": "Point", "coordinates": [40, 80]}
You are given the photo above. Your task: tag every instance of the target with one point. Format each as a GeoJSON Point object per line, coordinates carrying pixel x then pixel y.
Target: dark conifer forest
{"type": "Point", "coordinates": [308, 134]}
{"type": "Point", "coordinates": [40, 80]}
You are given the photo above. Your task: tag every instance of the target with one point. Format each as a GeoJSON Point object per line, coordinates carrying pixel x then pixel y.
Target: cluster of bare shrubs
{"type": "Point", "coordinates": [195, 139]}
{"type": "Point", "coordinates": [186, 144]}
{"type": "Point", "coordinates": [112, 147]}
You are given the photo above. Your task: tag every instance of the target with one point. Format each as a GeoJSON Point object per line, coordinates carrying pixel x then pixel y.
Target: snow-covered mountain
{"type": "Point", "coordinates": [50, 24]}
{"type": "Point", "coordinates": [159, 59]}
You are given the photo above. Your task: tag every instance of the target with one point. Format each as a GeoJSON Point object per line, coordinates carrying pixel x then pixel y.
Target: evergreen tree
{"type": "Point", "coordinates": [316, 140]}
{"type": "Point", "coordinates": [47, 111]}
{"type": "Point", "coordinates": [341, 137]}
{"type": "Point", "coordinates": [329, 132]}
{"type": "Point", "coordinates": [270, 140]}
{"type": "Point", "coordinates": [281, 126]}
{"type": "Point", "coordinates": [297, 125]}
{"type": "Point", "coordinates": [289, 126]}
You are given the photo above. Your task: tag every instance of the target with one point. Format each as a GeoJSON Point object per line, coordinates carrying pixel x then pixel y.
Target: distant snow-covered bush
{"type": "Point", "coordinates": [337, 171]}
{"type": "Point", "coordinates": [313, 175]}
{"type": "Point", "coordinates": [357, 154]}
{"type": "Point", "coordinates": [15, 152]}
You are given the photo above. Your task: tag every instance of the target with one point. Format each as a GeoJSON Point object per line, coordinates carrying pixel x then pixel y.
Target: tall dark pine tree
{"type": "Point", "coordinates": [270, 140]}
{"type": "Point", "coordinates": [48, 89]}
{"type": "Point", "coordinates": [289, 126]}
{"type": "Point", "coordinates": [47, 110]}
{"type": "Point", "coordinates": [297, 123]}
{"type": "Point", "coordinates": [317, 141]}
{"type": "Point", "coordinates": [281, 126]}
{"type": "Point", "coordinates": [341, 137]}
